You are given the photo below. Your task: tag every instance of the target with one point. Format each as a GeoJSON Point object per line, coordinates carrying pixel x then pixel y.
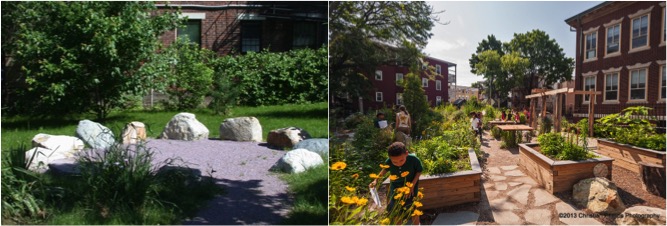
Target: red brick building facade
{"type": "Point", "coordinates": [229, 27]}
{"type": "Point", "coordinates": [621, 53]}
{"type": "Point", "coordinates": [387, 92]}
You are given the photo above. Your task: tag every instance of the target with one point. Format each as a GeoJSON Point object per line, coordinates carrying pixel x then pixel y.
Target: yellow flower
{"type": "Point", "coordinates": [405, 174]}
{"type": "Point", "coordinates": [374, 176]}
{"type": "Point", "coordinates": [417, 213]}
{"type": "Point", "coordinates": [402, 203]}
{"type": "Point", "coordinates": [418, 204]}
{"type": "Point", "coordinates": [403, 190]}
{"type": "Point", "coordinates": [355, 176]}
{"type": "Point", "coordinates": [338, 166]}
{"type": "Point", "coordinates": [347, 200]}
{"type": "Point", "coordinates": [398, 196]}
{"type": "Point", "coordinates": [362, 201]}
{"type": "Point", "coordinates": [393, 177]}
{"type": "Point", "coordinates": [385, 221]}
{"type": "Point", "coordinates": [350, 188]}
{"type": "Point", "coordinates": [420, 194]}
{"type": "Point", "coordinates": [383, 166]}
{"type": "Point", "coordinates": [355, 199]}
{"type": "Point", "coordinates": [408, 184]}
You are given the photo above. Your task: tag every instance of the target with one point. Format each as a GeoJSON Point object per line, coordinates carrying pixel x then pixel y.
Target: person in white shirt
{"type": "Point", "coordinates": [474, 124]}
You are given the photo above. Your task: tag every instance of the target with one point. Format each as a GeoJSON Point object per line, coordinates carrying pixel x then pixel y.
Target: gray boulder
{"type": "Point", "coordinates": [297, 161]}
{"type": "Point", "coordinates": [184, 126]}
{"type": "Point", "coordinates": [599, 195]}
{"type": "Point", "coordinates": [134, 132]}
{"type": "Point", "coordinates": [48, 148]}
{"type": "Point", "coordinates": [241, 129]}
{"type": "Point", "coordinates": [642, 215]}
{"type": "Point", "coordinates": [287, 137]}
{"type": "Point", "coordinates": [319, 146]}
{"type": "Point", "coordinates": [94, 134]}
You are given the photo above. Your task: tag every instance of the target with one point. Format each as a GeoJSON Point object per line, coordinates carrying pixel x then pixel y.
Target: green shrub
{"type": "Point", "coordinates": [545, 125]}
{"type": "Point", "coordinates": [21, 202]}
{"type": "Point", "coordinates": [191, 75]}
{"type": "Point", "coordinates": [582, 126]}
{"type": "Point", "coordinates": [565, 125]}
{"type": "Point", "coordinates": [555, 146]}
{"type": "Point", "coordinates": [628, 128]}
{"type": "Point", "coordinates": [496, 133]}
{"type": "Point", "coordinates": [438, 156]}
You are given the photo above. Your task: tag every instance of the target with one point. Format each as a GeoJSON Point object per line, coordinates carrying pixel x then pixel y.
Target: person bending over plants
{"type": "Point", "coordinates": [404, 170]}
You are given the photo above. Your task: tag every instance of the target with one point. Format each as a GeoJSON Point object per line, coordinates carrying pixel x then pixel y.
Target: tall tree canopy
{"type": "Point", "coordinates": [364, 35]}
{"type": "Point", "coordinates": [78, 56]}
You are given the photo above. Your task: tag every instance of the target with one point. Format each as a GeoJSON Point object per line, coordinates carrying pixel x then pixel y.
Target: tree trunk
{"type": "Point", "coordinates": [653, 178]}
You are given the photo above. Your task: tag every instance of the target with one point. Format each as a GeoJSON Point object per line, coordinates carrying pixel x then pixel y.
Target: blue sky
{"type": "Point", "coordinates": [471, 22]}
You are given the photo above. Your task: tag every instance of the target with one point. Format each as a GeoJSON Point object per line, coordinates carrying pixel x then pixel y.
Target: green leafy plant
{"type": "Point", "coordinates": [439, 157]}
{"type": "Point", "coordinates": [191, 74]}
{"type": "Point", "coordinates": [21, 201]}
{"type": "Point", "coordinates": [545, 125]}
{"type": "Point", "coordinates": [631, 126]}
{"type": "Point", "coordinates": [496, 133]}
{"type": "Point", "coordinates": [558, 147]}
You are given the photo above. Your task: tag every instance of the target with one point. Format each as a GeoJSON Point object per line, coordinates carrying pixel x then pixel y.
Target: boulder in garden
{"type": "Point", "coordinates": [319, 146]}
{"type": "Point", "coordinates": [94, 134]}
{"type": "Point", "coordinates": [297, 161]}
{"type": "Point", "coordinates": [184, 126]}
{"type": "Point", "coordinates": [49, 148]}
{"type": "Point", "coordinates": [241, 129]}
{"type": "Point", "coordinates": [642, 215]}
{"type": "Point", "coordinates": [599, 195]}
{"type": "Point", "coordinates": [287, 137]}
{"type": "Point", "coordinates": [134, 132]}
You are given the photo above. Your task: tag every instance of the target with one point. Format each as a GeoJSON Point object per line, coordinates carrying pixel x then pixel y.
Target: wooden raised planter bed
{"type": "Point", "coordinates": [451, 188]}
{"type": "Point", "coordinates": [629, 156]}
{"type": "Point", "coordinates": [557, 175]}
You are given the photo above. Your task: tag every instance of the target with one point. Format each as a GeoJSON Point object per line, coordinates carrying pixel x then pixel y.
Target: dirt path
{"type": "Point", "coordinates": [253, 194]}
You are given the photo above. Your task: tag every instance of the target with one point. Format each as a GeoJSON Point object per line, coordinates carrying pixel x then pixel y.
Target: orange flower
{"type": "Point", "coordinates": [420, 194]}
{"type": "Point", "coordinates": [355, 176]}
{"type": "Point", "coordinates": [350, 188]}
{"type": "Point", "coordinates": [405, 174]}
{"type": "Point", "coordinates": [383, 166]}
{"type": "Point", "coordinates": [374, 176]}
{"type": "Point", "coordinates": [362, 201]}
{"type": "Point", "coordinates": [408, 184]}
{"type": "Point", "coordinates": [338, 166]}
{"type": "Point", "coordinates": [393, 177]}
{"type": "Point", "coordinates": [418, 204]}
{"type": "Point", "coordinates": [417, 213]}
{"type": "Point", "coordinates": [398, 196]}
{"type": "Point", "coordinates": [347, 200]}
{"type": "Point", "coordinates": [402, 203]}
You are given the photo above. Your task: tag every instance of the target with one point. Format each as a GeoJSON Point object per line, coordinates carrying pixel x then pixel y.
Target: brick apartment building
{"type": "Point", "coordinates": [232, 27]}
{"type": "Point", "coordinates": [387, 91]}
{"type": "Point", "coordinates": [621, 52]}
{"type": "Point", "coordinates": [463, 92]}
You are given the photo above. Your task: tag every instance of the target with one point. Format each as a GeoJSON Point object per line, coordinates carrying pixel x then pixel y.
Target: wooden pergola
{"type": "Point", "coordinates": [557, 109]}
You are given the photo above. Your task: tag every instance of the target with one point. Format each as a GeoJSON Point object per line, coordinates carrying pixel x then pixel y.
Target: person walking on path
{"type": "Point", "coordinates": [403, 121]}
{"type": "Point", "coordinates": [475, 125]}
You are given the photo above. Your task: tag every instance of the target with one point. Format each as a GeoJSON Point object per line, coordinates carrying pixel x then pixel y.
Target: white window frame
{"type": "Point", "coordinates": [604, 88]}
{"type": "Point", "coordinates": [398, 81]}
{"type": "Point", "coordinates": [639, 15]}
{"type": "Point", "coordinates": [662, 77]}
{"type": "Point", "coordinates": [645, 85]}
{"type": "Point", "coordinates": [438, 100]}
{"type": "Point", "coordinates": [399, 98]}
{"type": "Point", "coordinates": [592, 31]}
{"type": "Point", "coordinates": [380, 99]}
{"type": "Point", "coordinates": [424, 82]}
{"type": "Point", "coordinates": [438, 69]}
{"type": "Point", "coordinates": [438, 85]}
{"type": "Point", "coordinates": [378, 76]}
{"type": "Point", "coordinates": [606, 40]}
{"type": "Point", "coordinates": [585, 77]}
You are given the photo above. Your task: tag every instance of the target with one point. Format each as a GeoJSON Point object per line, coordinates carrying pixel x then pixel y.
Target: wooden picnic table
{"type": "Point", "coordinates": [514, 127]}
{"type": "Point", "coordinates": [511, 138]}
{"type": "Point", "coordinates": [499, 122]}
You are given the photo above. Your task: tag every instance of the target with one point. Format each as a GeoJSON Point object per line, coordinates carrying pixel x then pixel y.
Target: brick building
{"type": "Point", "coordinates": [229, 27]}
{"type": "Point", "coordinates": [387, 91]}
{"type": "Point", "coordinates": [620, 52]}
{"type": "Point", "coordinates": [463, 92]}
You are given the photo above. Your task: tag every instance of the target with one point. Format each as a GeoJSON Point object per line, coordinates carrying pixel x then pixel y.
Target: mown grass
{"type": "Point", "coordinates": [310, 190]}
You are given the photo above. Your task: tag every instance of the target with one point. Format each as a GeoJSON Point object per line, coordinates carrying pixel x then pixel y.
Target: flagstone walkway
{"type": "Point", "coordinates": [513, 197]}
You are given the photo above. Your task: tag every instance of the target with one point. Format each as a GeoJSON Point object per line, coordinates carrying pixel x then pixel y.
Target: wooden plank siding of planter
{"type": "Point", "coordinates": [629, 156]}
{"type": "Point", "coordinates": [451, 188]}
{"type": "Point", "coordinates": [556, 175]}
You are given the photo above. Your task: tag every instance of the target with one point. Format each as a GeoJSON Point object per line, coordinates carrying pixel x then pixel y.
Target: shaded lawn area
{"type": "Point", "coordinates": [311, 117]}
{"type": "Point", "coordinates": [310, 189]}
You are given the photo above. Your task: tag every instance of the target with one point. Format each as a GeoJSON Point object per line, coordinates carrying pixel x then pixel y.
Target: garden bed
{"type": "Point", "coordinates": [629, 156]}
{"type": "Point", "coordinates": [558, 175]}
{"type": "Point", "coordinates": [451, 188]}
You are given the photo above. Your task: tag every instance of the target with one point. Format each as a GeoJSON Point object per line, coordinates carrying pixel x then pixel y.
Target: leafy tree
{"type": "Point", "coordinates": [364, 35]}
{"type": "Point", "coordinates": [491, 69]}
{"type": "Point", "coordinates": [79, 56]}
{"type": "Point", "coordinates": [415, 102]}
{"type": "Point", "coordinates": [191, 75]}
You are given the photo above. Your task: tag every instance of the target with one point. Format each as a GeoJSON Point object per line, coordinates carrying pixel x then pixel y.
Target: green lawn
{"type": "Point", "coordinates": [310, 191]}
{"type": "Point", "coordinates": [311, 117]}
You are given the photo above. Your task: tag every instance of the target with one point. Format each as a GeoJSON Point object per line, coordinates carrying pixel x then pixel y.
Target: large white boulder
{"type": "Point", "coordinates": [184, 126]}
{"type": "Point", "coordinates": [297, 161]}
{"type": "Point", "coordinates": [48, 148]}
{"type": "Point", "coordinates": [642, 215]}
{"type": "Point", "coordinates": [599, 195]}
{"type": "Point", "coordinates": [319, 146]}
{"type": "Point", "coordinates": [241, 129]}
{"type": "Point", "coordinates": [134, 132]}
{"type": "Point", "coordinates": [286, 137]}
{"type": "Point", "coordinates": [94, 134]}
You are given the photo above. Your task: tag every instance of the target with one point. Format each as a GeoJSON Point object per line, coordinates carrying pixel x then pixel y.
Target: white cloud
{"type": "Point", "coordinates": [436, 45]}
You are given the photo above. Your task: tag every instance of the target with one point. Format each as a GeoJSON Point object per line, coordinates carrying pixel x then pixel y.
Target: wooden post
{"type": "Point", "coordinates": [591, 115]}
{"type": "Point", "coordinates": [533, 117]}
{"type": "Point", "coordinates": [557, 114]}
{"type": "Point", "coordinates": [544, 107]}
{"type": "Point", "coordinates": [653, 178]}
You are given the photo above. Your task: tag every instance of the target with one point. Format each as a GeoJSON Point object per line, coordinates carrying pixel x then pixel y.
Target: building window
{"type": "Point", "coordinates": [438, 69]}
{"type": "Point", "coordinates": [304, 35]}
{"type": "Point", "coordinates": [250, 37]}
{"type": "Point", "coordinates": [378, 75]}
{"type": "Point", "coordinates": [589, 85]}
{"type": "Point", "coordinates": [378, 96]}
{"type": "Point", "coordinates": [190, 31]}
{"type": "Point", "coordinates": [638, 84]}
{"type": "Point", "coordinates": [611, 86]}
{"type": "Point", "coordinates": [591, 44]}
{"type": "Point", "coordinates": [614, 39]}
{"type": "Point", "coordinates": [662, 82]}
{"type": "Point", "coordinates": [424, 82]}
{"type": "Point", "coordinates": [639, 32]}
{"type": "Point", "coordinates": [438, 100]}
{"type": "Point", "coordinates": [438, 85]}
{"type": "Point", "coordinates": [399, 98]}
{"type": "Point", "coordinates": [399, 78]}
